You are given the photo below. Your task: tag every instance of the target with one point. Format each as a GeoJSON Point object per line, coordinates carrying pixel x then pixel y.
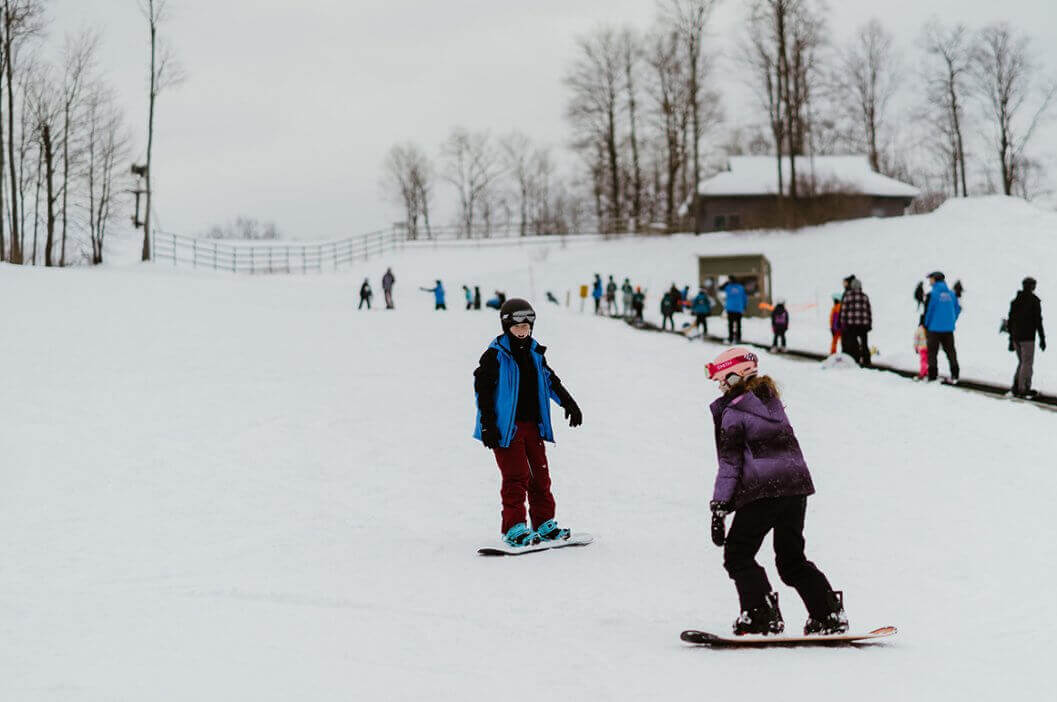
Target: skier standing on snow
{"type": "Point", "coordinates": [638, 303]}
{"type": "Point", "coordinates": [779, 325]}
{"type": "Point", "coordinates": [764, 481]}
{"type": "Point", "coordinates": [834, 324]}
{"type": "Point", "coordinates": [702, 307]}
{"type": "Point", "coordinates": [921, 348]}
{"type": "Point", "coordinates": [611, 297]}
{"type": "Point", "coordinates": [628, 292]}
{"type": "Point", "coordinates": [734, 304]}
{"type": "Point", "coordinates": [477, 297]}
{"type": "Point", "coordinates": [438, 295]}
{"type": "Point", "coordinates": [468, 295]}
{"type": "Point", "coordinates": [387, 287]}
{"type": "Point", "coordinates": [856, 321]}
{"type": "Point", "coordinates": [514, 386]}
{"type": "Point", "coordinates": [667, 307]}
{"type": "Point", "coordinates": [365, 294]}
{"type": "Point", "coordinates": [1025, 321]}
{"type": "Point", "coordinates": [596, 293]}
{"type": "Point", "coordinates": [941, 315]}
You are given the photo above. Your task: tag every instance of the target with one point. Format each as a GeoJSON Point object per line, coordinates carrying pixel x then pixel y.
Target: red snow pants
{"type": "Point", "coordinates": [523, 466]}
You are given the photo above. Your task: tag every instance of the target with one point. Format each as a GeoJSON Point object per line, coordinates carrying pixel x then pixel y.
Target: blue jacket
{"type": "Point", "coordinates": [438, 294]}
{"type": "Point", "coordinates": [736, 299]}
{"type": "Point", "coordinates": [596, 291]}
{"type": "Point", "coordinates": [702, 305]}
{"type": "Point", "coordinates": [942, 310]}
{"type": "Point", "coordinates": [507, 389]}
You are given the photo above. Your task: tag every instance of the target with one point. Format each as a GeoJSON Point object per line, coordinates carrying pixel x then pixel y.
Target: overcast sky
{"type": "Point", "coordinates": [290, 105]}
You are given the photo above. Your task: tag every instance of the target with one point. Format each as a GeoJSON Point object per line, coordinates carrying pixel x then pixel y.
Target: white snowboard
{"type": "Point", "coordinates": [703, 638]}
{"type": "Point", "coordinates": [501, 549]}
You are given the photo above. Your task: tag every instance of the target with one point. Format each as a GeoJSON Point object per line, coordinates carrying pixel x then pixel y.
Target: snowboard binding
{"type": "Point", "coordinates": [836, 622]}
{"type": "Point", "coordinates": [765, 619]}
{"type": "Point", "coordinates": [549, 531]}
{"type": "Point", "coordinates": [520, 535]}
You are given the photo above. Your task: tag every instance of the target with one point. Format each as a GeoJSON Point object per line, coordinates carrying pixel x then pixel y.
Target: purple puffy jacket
{"type": "Point", "coordinates": [759, 455]}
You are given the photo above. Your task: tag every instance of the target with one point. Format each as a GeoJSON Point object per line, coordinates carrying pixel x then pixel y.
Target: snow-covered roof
{"type": "Point", "coordinates": [758, 175]}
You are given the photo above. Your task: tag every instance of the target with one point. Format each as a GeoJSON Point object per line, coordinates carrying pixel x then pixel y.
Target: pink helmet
{"type": "Point", "coordinates": [735, 361]}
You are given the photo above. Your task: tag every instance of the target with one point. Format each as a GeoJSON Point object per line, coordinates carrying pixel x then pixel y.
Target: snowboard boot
{"type": "Point", "coordinates": [765, 619]}
{"type": "Point", "coordinates": [836, 622]}
{"type": "Point", "coordinates": [520, 535]}
{"type": "Point", "coordinates": [549, 531]}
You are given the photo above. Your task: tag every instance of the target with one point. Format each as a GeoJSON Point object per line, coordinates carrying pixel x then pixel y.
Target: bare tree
{"type": "Point", "coordinates": [78, 55]}
{"type": "Point", "coordinates": [1005, 72]}
{"type": "Point", "coordinates": [106, 146]}
{"type": "Point", "coordinates": [631, 51]}
{"type": "Point", "coordinates": [517, 154]}
{"type": "Point", "coordinates": [689, 19]}
{"type": "Point", "coordinates": [46, 105]}
{"type": "Point", "coordinates": [595, 80]}
{"type": "Point", "coordinates": [948, 49]}
{"type": "Point", "coordinates": [784, 38]}
{"type": "Point", "coordinates": [406, 179]}
{"type": "Point", "coordinates": [164, 73]}
{"type": "Point", "coordinates": [868, 73]}
{"type": "Point", "coordinates": [670, 99]}
{"type": "Point", "coordinates": [21, 19]}
{"type": "Point", "coordinates": [472, 166]}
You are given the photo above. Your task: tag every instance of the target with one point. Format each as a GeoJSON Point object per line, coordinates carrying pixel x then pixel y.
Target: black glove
{"type": "Point", "coordinates": [490, 435]}
{"type": "Point", "coordinates": [573, 413]}
{"type": "Point", "coordinates": [1042, 344]}
{"type": "Point", "coordinates": [719, 527]}
{"type": "Point", "coordinates": [1011, 347]}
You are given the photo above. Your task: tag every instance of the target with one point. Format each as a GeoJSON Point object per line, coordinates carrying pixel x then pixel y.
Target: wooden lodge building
{"type": "Point", "coordinates": [829, 188]}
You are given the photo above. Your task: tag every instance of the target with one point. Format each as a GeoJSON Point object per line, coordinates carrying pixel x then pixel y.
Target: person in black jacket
{"type": "Point", "coordinates": [365, 294]}
{"type": "Point", "coordinates": [1025, 321]}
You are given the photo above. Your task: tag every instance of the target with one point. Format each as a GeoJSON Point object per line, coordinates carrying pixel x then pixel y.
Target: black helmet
{"type": "Point", "coordinates": [515, 311]}
{"type": "Point", "coordinates": [937, 275]}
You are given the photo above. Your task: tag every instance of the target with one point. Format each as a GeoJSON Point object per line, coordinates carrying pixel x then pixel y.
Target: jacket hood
{"type": "Point", "coordinates": [749, 403]}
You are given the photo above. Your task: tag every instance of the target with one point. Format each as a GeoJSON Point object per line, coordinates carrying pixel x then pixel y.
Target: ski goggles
{"type": "Point", "coordinates": [521, 316]}
{"type": "Point", "coordinates": [714, 369]}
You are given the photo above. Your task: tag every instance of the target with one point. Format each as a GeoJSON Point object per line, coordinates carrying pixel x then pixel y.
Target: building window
{"type": "Point", "coordinates": [719, 223]}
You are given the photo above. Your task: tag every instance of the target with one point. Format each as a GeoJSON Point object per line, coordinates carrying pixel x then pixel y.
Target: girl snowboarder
{"type": "Point", "coordinates": [513, 385]}
{"type": "Point", "coordinates": [834, 324]}
{"type": "Point", "coordinates": [764, 481]}
{"type": "Point", "coordinates": [921, 346]}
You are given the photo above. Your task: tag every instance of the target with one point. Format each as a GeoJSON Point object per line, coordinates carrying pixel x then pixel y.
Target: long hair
{"type": "Point", "coordinates": [762, 386]}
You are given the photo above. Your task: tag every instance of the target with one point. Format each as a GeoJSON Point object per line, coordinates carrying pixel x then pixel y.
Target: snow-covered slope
{"type": "Point", "coordinates": [222, 488]}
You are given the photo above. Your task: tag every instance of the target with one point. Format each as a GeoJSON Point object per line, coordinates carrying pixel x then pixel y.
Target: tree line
{"type": "Point", "coordinates": [65, 144]}
{"type": "Point", "coordinates": [953, 113]}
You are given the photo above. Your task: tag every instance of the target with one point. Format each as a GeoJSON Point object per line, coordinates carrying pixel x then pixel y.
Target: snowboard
{"type": "Point", "coordinates": [703, 638]}
{"type": "Point", "coordinates": [501, 549]}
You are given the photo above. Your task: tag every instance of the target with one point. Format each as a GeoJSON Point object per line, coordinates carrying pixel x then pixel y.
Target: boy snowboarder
{"type": "Point", "coordinates": [764, 481]}
{"type": "Point", "coordinates": [438, 296]}
{"type": "Point", "coordinates": [513, 385]}
{"type": "Point", "coordinates": [779, 325]}
{"type": "Point", "coordinates": [701, 308]}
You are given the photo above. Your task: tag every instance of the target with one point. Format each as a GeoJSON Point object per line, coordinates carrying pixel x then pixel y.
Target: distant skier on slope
{"type": "Point", "coordinates": [1025, 321]}
{"type": "Point", "coordinates": [942, 310]}
{"type": "Point", "coordinates": [438, 295]}
{"type": "Point", "coordinates": [779, 325]}
{"type": "Point", "coordinates": [735, 303]}
{"type": "Point", "coordinates": [387, 287]}
{"type": "Point", "coordinates": [701, 307]}
{"type": "Point", "coordinates": [764, 481]}
{"type": "Point", "coordinates": [365, 294]}
{"type": "Point", "coordinates": [513, 386]}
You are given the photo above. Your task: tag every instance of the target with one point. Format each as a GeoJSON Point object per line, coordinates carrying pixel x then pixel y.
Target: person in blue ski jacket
{"type": "Point", "coordinates": [596, 293]}
{"type": "Point", "coordinates": [701, 307]}
{"type": "Point", "coordinates": [942, 309]}
{"type": "Point", "coordinates": [734, 304]}
{"type": "Point", "coordinates": [513, 386]}
{"type": "Point", "coordinates": [438, 295]}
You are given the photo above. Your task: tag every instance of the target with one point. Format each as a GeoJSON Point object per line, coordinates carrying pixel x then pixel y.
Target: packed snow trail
{"type": "Point", "coordinates": [228, 488]}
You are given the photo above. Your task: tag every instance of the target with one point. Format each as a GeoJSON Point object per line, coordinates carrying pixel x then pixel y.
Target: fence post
{"type": "Point", "coordinates": [194, 252]}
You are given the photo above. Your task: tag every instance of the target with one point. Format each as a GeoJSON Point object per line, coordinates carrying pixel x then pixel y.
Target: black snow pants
{"type": "Point", "coordinates": [933, 341]}
{"type": "Point", "coordinates": [733, 327]}
{"type": "Point", "coordinates": [785, 516]}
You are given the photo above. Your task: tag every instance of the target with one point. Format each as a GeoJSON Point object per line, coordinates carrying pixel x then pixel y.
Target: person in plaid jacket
{"type": "Point", "coordinates": [856, 321]}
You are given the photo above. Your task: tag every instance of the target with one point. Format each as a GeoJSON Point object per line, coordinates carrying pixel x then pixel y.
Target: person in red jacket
{"type": "Point", "coordinates": [834, 324]}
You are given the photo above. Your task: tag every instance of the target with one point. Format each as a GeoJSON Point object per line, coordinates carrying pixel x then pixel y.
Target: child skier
{"type": "Point", "coordinates": [764, 481]}
{"type": "Point", "coordinates": [922, 347]}
{"type": "Point", "coordinates": [513, 385]}
{"type": "Point", "coordinates": [779, 325]}
{"type": "Point", "coordinates": [834, 324]}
